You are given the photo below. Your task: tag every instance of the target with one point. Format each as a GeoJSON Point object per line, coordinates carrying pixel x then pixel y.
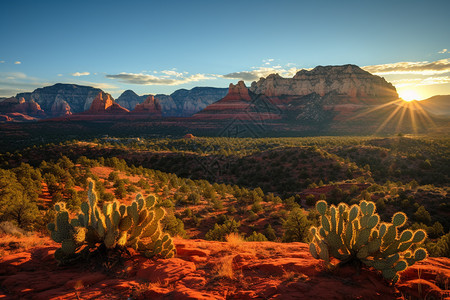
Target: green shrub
{"type": "Point", "coordinates": [355, 234]}
{"type": "Point", "coordinates": [296, 226]}
{"type": "Point", "coordinates": [173, 225]}
{"type": "Point", "coordinates": [112, 228]}
{"type": "Point", "coordinates": [219, 232]}
{"type": "Point", "coordinates": [194, 198]}
{"type": "Point", "coordinates": [441, 248]}
{"type": "Point", "coordinates": [269, 232]}
{"type": "Point", "coordinates": [422, 215]}
{"type": "Point", "coordinates": [256, 237]}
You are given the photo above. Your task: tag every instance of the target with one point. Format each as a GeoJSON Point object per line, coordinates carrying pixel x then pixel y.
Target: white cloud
{"type": "Point", "coordinates": [444, 51]}
{"type": "Point", "coordinates": [419, 68]}
{"type": "Point", "coordinates": [100, 85]}
{"type": "Point", "coordinates": [60, 75]}
{"type": "Point", "coordinates": [172, 73]}
{"type": "Point", "coordinates": [78, 74]}
{"type": "Point", "coordinates": [436, 80]}
{"type": "Point", "coordinates": [268, 61]}
{"type": "Point", "coordinates": [17, 62]}
{"type": "Point", "coordinates": [171, 78]}
{"type": "Point", "coordinates": [257, 73]}
{"type": "Point", "coordinates": [421, 81]}
{"type": "Point", "coordinates": [12, 83]}
{"type": "Point", "coordinates": [2, 61]}
{"type": "Point", "coordinates": [13, 75]}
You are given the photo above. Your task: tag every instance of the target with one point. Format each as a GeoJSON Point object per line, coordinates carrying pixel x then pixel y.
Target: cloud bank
{"type": "Point", "coordinates": [419, 68]}
{"type": "Point", "coordinates": [261, 72]}
{"type": "Point", "coordinates": [78, 74]}
{"type": "Point", "coordinates": [421, 81]}
{"type": "Point", "coordinates": [170, 78]}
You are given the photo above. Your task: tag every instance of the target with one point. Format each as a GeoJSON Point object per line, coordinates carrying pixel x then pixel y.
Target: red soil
{"type": "Point", "coordinates": [45, 200]}
{"type": "Point", "coordinates": [214, 270]}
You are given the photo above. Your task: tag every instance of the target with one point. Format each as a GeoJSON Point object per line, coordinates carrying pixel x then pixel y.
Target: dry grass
{"type": "Point", "coordinates": [224, 268]}
{"type": "Point", "coordinates": [12, 244]}
{"type": "Point", "coordinates": [234, 240]}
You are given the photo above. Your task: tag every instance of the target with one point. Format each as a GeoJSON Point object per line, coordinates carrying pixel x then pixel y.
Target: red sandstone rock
{"type": "Point", "coordinates": [238, 92]}
{"type": "Point", "coordinates": [239, 104]}
{"type": "Point", "coordinates": [150, 106]}
{"type": "Point", "coordinates": [101, 103]}
{"type": "Point", "coordinates": [170, 270]}
{"type": "Point", "coordinates": [259, 270]}
{"type": "Point", "coordinates": [60, 108]}
{"type": "Point", "coordinates": [14, 105]}
{"type": "Point", "coordinates": [104, 103]}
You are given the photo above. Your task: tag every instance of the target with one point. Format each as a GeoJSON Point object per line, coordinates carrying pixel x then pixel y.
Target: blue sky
{"type": "Point", "coordinates": [161, 46]}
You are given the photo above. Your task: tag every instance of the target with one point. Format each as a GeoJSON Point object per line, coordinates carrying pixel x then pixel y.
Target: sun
{"type": "Point", "coordinates": [409, 95]}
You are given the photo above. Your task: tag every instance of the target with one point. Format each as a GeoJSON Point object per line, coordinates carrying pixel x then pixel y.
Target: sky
{"type": "Point", "coordinates": [156, 47]}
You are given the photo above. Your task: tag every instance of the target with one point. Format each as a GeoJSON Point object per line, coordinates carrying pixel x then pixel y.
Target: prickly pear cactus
{"type": "Point", "coordinates": [356, 234]}
{"type": "Point", "coordinates": [114, 226]}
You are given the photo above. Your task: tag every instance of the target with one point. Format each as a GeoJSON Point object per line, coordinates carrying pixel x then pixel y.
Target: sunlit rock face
{"type": "Point", "coordinates": [77, 97]}
{"type": "Point", "coordinates": [104, 103]}
{"type": "Point", "coordinates": [60, 107]}
{"type": "Point", "coordinates": [150, 106]}
{"type": "Point", "coordinates": [22, 106]}
{"type": "Point", "coordinates": [319, 96]}
{"type": "Point", "coordinates": [347, 83]}
{"type": "Point", "coordinates": [181, 103]}
{"type": "Point", "coordinates": [238, 103]}
{"type": "Point", "coordinates": [185, 103]}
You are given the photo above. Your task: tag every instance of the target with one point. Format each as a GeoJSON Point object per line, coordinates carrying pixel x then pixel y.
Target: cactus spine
{"type": "Point", "coordinates": [355, 233]}
{"type": "Point", "coordinates": [114, 225]}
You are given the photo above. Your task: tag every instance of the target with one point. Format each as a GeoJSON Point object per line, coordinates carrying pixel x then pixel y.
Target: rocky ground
{"type": "Point", "coordinates": [211, 270]}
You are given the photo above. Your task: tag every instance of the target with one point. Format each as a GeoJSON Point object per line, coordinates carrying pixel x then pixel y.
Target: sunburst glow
{"type": "Point", "coordinates": [409, 95]}
{"type": "Point", "coordinates": [406, 116]}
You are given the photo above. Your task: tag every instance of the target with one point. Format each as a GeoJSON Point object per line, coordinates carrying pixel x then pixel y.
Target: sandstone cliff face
{"type": "Point", "coordinates": [349, 83]}
{"type": "Point", "coordinates": [168, 105]}
{"type": "Point", "coordinates": [185, 103]}
{"type": "Point", "coordinates": [60, 107]}
{"type": "Point", "coordinates": [237, 92]}
{"type": "Point", "coordinates": [77, 97]}
{"type": "Point", "coordinates": [241, 104]}
{"type": "Point", "coordinates": [20, 105]}
{"type": "Point", "coordinates": [317, 97]}
{"type": "Point", "coordinates": [104, 103]}
{"type": "Point", "coordinates": [181, 103]}
{"type": "Point", "coordinates": [129, 99]}
{"type": "Point", "coordinates": [189, 102]}
{"type": "Point", "coordinates": [150, 106]}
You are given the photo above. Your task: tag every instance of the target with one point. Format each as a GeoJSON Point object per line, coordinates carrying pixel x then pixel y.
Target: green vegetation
{"type": "Point", "coordinates": [114, 227]}
{"type": "Point", "coordinates": [355, 234]}
{"type": "Point", "coordinates": [269, 186]}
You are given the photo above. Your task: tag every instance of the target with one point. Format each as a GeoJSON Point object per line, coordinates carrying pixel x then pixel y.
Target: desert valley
{"type": "Point", "coordinates": [224, 150]}
{"type": "Point", "coordinates": [239, 202]}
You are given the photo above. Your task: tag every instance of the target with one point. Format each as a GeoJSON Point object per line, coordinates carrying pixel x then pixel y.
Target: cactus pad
{"type": "Point", "coordinates": [356, 234]}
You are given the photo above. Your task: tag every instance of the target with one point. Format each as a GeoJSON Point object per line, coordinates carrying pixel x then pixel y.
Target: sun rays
{"type": "Point", "coordinates": [408, 116]}
{"type": "Point", "coordinates": [409, 95]}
